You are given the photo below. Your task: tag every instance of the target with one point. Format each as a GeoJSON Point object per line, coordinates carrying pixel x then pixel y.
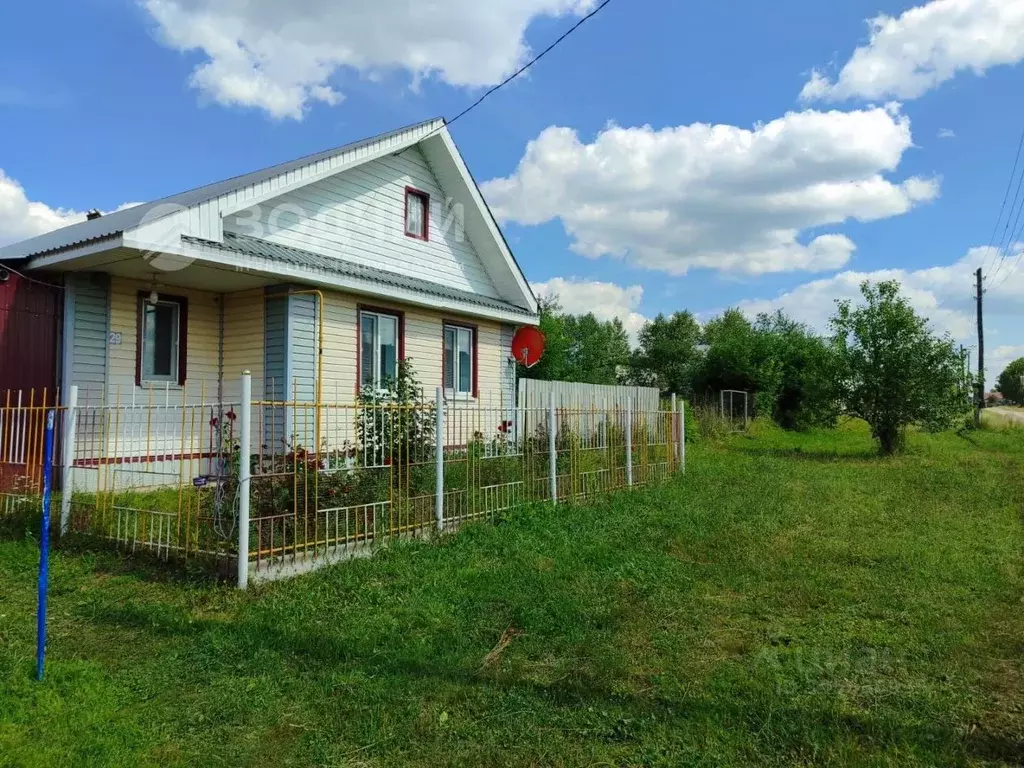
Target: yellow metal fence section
{"type": "Point", "coordinates": [155, 471]}
{"type": "Point", "coordinates": [22, 434]}
{"type": "Point", "coordinates": [338, 479]}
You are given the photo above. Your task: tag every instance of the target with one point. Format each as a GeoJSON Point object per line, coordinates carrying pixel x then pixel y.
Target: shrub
{"type": "Point", "coordinates": [396, 424]}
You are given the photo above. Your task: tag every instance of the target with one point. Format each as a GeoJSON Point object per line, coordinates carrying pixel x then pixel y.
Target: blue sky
{"type": "Point", "coordinates": [787, 201]}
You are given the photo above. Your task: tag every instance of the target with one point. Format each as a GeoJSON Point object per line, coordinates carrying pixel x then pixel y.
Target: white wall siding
{"type": "Point", "coordinates": [243, 341]}
{"type": "Point", "coordinates": [359, 216]}
{"type": "Point", "coordinates": [204, 219]}
{"type": "Point", "coordinates": [202, 362]}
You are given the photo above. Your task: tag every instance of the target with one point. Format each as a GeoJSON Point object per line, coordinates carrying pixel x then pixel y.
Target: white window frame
{"type": "Point", "coordinates": [377, 378]}
{"type": "Point", "coordinates": [173, 376]}
{"type": "Point", "coordinates": [454, 390]}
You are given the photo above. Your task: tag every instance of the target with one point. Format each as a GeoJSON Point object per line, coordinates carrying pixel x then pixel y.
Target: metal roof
{"type": "Point", "coordinates": [115, 223]}
{"type": "Point", "coordinates": [297, 257]}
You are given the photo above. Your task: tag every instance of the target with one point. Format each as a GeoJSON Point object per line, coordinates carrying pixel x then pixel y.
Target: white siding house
{"type": "Point", "coordinates": [384, 243]}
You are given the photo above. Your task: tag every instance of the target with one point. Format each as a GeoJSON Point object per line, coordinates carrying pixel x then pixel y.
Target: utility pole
{"type": "Point", "coordinates": [963, 372]}
{"type": "Point", "coordinates": [981, 354]}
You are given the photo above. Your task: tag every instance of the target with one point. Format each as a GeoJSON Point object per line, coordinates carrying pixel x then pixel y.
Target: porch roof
{"type": "Point", "coordinates": [371, 276]}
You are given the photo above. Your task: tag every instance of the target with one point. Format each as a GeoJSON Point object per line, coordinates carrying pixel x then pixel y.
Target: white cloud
{"type": "Point", "coordinates": [21, 218]}
{"type": "Point", "coordinates": [280, 56]}
{"type": "Point", "coordinates": [605, 300]}
{"type": "Point", "coordinates": [947, 133]}
{"type": "Point", "coordinates": [944, 294]}
{"type": "Point", "coordinates": [1002, 357]}
{"type": "Point", "coordinates": [924, 47]}
{"type": "Point", "coordinates": [717, 196]}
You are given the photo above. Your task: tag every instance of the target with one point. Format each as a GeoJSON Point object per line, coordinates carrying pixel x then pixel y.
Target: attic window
{"type": "Point", "coordinates": [417, 214]}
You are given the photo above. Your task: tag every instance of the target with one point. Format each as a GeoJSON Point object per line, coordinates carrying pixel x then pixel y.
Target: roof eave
{"type": "Point", "coordinates": [342, 283]}
{"type": "Point", "coordinates": [56, 256]}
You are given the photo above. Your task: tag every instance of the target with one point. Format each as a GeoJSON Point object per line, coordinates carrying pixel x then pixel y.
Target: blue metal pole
{"type": "Point", "coordinates": [44, 550]}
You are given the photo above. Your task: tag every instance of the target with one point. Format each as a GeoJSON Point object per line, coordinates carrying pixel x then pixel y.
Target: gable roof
{"type": "Point", "coordinates": [197, 215]}
{"type": "Point", "coordinates": [121, 221]}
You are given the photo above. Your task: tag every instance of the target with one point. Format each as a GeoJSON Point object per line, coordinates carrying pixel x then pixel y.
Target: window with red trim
{"type": "Point", "coordinates": [417, 214]}
{"type": "Point", "coordinates": [460, 359]}
{"type": "Point", "coordinates": [161, 351]}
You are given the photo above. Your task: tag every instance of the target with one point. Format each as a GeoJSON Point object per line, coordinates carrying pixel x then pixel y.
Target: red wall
{"type": "Point", "coordinates": [30, 316]}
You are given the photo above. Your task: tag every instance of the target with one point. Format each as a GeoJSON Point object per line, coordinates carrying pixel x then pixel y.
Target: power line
{"type": "Point", "coordinates": [1015, 236]}
{"type": "Point", "coordinates": [1014, 232]}
{"type": "Point", "coordinates": [525, 67]}
{"type": "Point", "coordinates": [1008, 231]}
{"type": "Point", "coordinates": [1006, 195]}
{"type": "Point", "coordinates": [1016, 263]}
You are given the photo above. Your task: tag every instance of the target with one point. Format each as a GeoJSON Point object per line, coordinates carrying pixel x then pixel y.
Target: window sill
{"type": "Point", "coordinates": [459, 397]}
{"type": "Point", "coordinates": [160, 385]}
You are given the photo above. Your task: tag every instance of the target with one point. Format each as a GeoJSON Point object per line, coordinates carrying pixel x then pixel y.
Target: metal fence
{"type": "Point", "coordinates": [325, 481]}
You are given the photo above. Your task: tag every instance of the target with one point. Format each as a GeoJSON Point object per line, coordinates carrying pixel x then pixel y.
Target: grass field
{"type": "Point", "coordinates": [794, 599]}
{"type": "Point", "coordinates": [1005, 417]}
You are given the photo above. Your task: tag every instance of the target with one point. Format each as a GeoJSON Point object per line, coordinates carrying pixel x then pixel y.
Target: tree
{"type": "Point", "coordinates": [786, 368]}
{"type": "Point", "coordinates": [668, 354]}
{"type": "Point", "coordinates": [556, 345]}
{"type": "Point", "coordinates": [732, 358]}
{"type": "Point", "coordinates": [579, 348]}
{"type": "Point", "coordinates": [597, 350]}
{"type": "Point", "coordinates": [892, 371]}
{"type": "Point", "coordinates": [1010, 384]}
{"type": "Point", "coordinates": [799, 370]}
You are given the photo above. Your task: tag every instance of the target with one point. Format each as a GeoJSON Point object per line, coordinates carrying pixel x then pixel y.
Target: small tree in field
{"type": "Point", "coordinates": [893, 372]}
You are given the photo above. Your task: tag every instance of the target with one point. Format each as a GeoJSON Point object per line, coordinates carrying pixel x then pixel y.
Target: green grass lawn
{"type": "Point", "coordinates": [793, 599]}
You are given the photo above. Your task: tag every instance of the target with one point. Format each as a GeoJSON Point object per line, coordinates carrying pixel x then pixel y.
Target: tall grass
{"type": "Point", "coordinates": [795, 599]}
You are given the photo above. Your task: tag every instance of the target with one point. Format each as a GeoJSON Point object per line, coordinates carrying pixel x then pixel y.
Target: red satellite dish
{"type": "Point", "coordinates": [528, 346]}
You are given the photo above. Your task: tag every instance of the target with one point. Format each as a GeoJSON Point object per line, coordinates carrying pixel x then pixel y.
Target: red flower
{"type": "Point", "coordinates": [231, 415]}
{"type": "Point", "coordinates": [214, 422]}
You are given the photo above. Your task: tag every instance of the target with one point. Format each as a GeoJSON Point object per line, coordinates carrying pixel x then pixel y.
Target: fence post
{"type": "Point", "coordinates": [244, 478]}
{"type": "Point", "coordinates": [607, 421]}
{"type": "Point", "coordinates": [629, 441]}
{"type": "Point", "coordinates": [672, 421]}
{"type": "Point", "coordinates": [439, 460]}
{"type": "Point", "coordinates": [552, 455]}
{"type": "Point", "coordinates": [44, 548]}
{"type": "Point", "coordinates": [68, 459]}
{"type": "Point", "coordinates": [682, 436]}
